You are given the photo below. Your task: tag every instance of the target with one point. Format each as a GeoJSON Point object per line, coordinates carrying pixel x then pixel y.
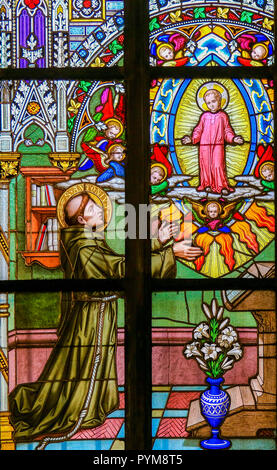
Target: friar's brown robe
{"type": "Point", "coordinates": [53, 403]}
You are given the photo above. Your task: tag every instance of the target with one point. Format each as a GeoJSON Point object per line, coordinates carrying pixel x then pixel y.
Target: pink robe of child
{"type": "Point", "coordinates": [212, 131]}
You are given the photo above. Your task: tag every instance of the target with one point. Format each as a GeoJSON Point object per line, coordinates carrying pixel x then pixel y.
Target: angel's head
{"type": "Point", "coordinates": [213, 209]}
{"type": "Point", "coordinates": [158, 173]}
{"type": "Point", "coordinates": [114, 128]}
{"type": "Point", "coordinates": [116, 153]}
{"type": "Point", "coordinates": [259, 51]}
{"type": "Point", "coordinates": [165, 51]}
{"type": "Point", "coordinates": [267, 171]}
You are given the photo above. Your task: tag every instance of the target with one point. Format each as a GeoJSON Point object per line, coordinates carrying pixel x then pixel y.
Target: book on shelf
{"type": "Point", "coordinates": [55, 232]}
{"type": "Point", "coordinates": [43, 195]}
{"type": "Point", "coordinates": [50, 196]}
{"type": "Point", "coordinates": [48, 237]}
{"type": "Point", "coordinates": [43, 201]}
{"type": "Point", "coordinates": [50, 234]}
{"type": "Point", "coordinates": [41, 243]}
{"type": "Point", "coordinates": [34, 194]}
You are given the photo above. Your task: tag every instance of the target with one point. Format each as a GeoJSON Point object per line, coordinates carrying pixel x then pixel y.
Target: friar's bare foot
{"type": "Point", "coordinates": [208, 189]}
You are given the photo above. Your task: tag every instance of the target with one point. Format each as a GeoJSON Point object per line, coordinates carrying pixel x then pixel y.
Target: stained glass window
{"type": "Point", "coordinates": [202, 334]}
{"type": "Point", "coordinates": [114, 309]}
{"type": "Point", "coordinates": [212, 145]}
{"type": "Point", "coordinates": [54, 353]}
{"type": "Point", "coordinates": [231, 33]}
{"type": "Point", "coordinates": [68, 140]}
{"type": "Point", "coordinates": [62, 33]}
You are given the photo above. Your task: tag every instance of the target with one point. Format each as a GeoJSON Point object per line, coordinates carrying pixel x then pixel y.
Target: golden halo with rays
{"type": "Point", "coordinates": [117, 123]}
{"type": "Point", "coordinates": [187, 117]}
{"type": "Point", "coordinates": [208, 86]}
{"type": "Point", "coordinates": [160, 165]}
{"type": "Point", "coordinates": [98, 195]}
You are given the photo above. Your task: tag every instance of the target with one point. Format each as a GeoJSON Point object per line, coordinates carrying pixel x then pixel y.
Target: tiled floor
{"type": "Point", "coordinates": [170, 407]}
{"type": "Point", "coordinates": [109, 436]}
{"type": "Point", "coordinates": [169, 416]}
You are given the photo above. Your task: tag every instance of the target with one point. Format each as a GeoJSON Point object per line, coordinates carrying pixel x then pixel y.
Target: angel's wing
{"type": "Point", "coordinates": [197, 209]}
{"type": "Point", "coordinates": [228, 209]}
{"type": "Point", "coordinates": [96, 155]}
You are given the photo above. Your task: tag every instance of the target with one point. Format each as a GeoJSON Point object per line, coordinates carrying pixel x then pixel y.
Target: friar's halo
{"type": "Point", "coordinates": [98, 195]}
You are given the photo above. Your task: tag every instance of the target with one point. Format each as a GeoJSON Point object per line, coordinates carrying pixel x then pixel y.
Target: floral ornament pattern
{"type": "Point", "coordinates": [267, 24]}
{"type": "Point", "coordinates": [175, 17]}
{"type": "Point", "coordinates": [87, 8]}
{"type": "Point", "coordinates": [33, 108]}
{"type": "Point", "coordinates": [217, 347]}
{"type": "Point", "coordinates": [8, 169]}
{"type": "Point", "coordinates": [222, 12]}
{"type": "Point", "coordinates": [75, 104]}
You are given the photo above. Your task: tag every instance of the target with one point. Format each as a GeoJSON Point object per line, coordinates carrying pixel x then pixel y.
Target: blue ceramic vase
{"type": "Point", "coordinates": [215, 404]}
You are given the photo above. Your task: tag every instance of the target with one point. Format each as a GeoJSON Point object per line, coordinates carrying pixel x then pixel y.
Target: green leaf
{"type": "Point", "coordinates": [114, 47]}
{"type": "Point", "coordinates": [220, 358]}
{"type": "Point", "coordinates": [246, 16]}
{"type": "Point", "coordinates": [70, 123]}
{"type": "Point", "coordinates": [154, 24]}
{"type": "Point", "coordinates": [90, 134]}
{"type": "Point", "coordinates": [97, 117]}
{"type": "Point", "coordinates": [214, 329]}
{"type": "Point", "coordinates": [84, 85]}
{"type": "Point", "coordinates": [199, 12]}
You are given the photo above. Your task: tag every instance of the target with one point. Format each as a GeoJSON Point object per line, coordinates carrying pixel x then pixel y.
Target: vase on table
{"type": "Point", "coordinates": [215, 404]}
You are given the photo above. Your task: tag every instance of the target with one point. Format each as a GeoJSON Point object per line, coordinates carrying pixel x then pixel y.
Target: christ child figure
{"type": "Point", "coordinates": [212, 131]}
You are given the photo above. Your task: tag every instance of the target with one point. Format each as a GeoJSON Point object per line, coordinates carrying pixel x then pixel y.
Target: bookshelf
{"type": "Point", "coordinates": [38, 214]}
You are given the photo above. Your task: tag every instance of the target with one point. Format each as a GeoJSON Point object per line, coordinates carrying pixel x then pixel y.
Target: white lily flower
{"type": "Point", "coordinates": [210, 351]}
{"type": "Point", "coordinates": [229, 334]}
{"type": "Point", "coordinates": [201, 363]}
{"type": "Point", "coordinates": [119, 88]}
{"type": "Point", "coordinates": [227, 337]}
{"type": "Point", "coordinates": [201, 330]}
{"type": "Point", "coordinates": [223, 324]}
{"type": "Point", "coordinates": [214, 307]}
{"type": "Point", "coordinates": [206, 310]}
{"type": "Point", "coordinates": [235, 351]}
{"type": "Point", "coordinates": [227, 363]}
{"type": "Point", "coordinates": [192, 349]}
{"type": "Point", "coordinates": [219, 313]}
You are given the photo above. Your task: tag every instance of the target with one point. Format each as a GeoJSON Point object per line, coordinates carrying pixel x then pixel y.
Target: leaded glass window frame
{"type": "Point", "coordinates": [138, 285]}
